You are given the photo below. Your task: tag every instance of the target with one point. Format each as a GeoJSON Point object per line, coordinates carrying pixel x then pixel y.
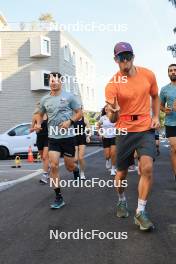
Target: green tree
{"type": "Point", "coordinates": [47, 17]}
{"type": "Point", "coordinates": [162, 118]}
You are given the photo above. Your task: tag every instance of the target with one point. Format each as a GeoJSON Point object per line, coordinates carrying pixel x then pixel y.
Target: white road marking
{"type": "Point", "coordinates": [7, 184]}
{"type": "Point", "coordinates": [19, 170]}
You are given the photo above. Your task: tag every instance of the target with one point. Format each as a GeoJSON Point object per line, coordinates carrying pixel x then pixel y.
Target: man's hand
{"type": "Point", "coordinates": [113, 110]}
{"type": "Point", "coordinates": [168, 110]}
{"type": "Point", "coordinates": [65, 124]}
{"type": "Point", "coordinates": [113, 107]}
{"type": "Point", "coordinates": [155, 123]}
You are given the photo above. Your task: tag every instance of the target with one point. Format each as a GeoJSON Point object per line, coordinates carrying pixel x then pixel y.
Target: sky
{"type": "Point", "coordinates": [149, 28]}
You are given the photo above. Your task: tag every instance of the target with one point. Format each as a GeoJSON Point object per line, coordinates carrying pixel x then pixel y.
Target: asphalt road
{"type": "Point", "coordinates": [26, 221]}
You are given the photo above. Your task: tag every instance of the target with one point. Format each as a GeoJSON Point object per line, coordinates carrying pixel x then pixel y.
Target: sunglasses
{"type": "Point", "coordinates": [124, 56]}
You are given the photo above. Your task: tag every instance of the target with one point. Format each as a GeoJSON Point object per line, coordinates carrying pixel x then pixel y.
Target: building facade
{"type": "Point", "coordinates": [26, 57]}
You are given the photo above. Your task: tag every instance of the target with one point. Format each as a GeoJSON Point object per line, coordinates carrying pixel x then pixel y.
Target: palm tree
{"type": "Point", "coordinates": [47, 17]}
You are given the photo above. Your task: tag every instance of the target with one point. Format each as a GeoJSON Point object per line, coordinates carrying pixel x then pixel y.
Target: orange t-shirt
{"type": "Point", "coordinates": [133, 98]}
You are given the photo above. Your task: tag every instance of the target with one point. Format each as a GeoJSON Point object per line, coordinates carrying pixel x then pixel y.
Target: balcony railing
{"type": "Point", "coordinates": [30, 26]}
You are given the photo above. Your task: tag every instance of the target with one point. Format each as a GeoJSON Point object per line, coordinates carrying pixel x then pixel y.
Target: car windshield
{"type": "Point", "coordinates": [22, 130]}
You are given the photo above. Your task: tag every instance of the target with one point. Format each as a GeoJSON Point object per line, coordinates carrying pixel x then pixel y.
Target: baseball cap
{"type": "Point", "coordinates": [122, 47]}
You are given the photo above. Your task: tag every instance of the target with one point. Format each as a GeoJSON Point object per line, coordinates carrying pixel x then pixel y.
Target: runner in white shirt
{"type": "Point", "coordinates": [108, 132]}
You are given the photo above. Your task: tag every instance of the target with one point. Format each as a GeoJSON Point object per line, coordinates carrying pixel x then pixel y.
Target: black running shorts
{"type": "Point", "coordinates": [42, 142]}
{"type": "Point", "coordinates": [170, 131]}
{"type": "Point", "coordinates": [107, 142]}
{"type": "Point", "coordinates": [66, 146]}
{"type": "Point", "coordinates": [142, 142]}
{"type": "Point", "coordinates": [80, 140]}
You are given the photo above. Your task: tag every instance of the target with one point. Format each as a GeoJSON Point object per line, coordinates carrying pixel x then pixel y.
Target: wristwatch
{"type": "Point", "coordinates": [72, 122]}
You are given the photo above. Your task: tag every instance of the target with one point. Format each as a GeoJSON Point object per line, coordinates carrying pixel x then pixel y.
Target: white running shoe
{"type": "Point", "coordinates": [82, 175]}
{"type": "Point", "coordinates": [44, 178]}
{"type": "Point", "coordinates": [113, 172]}
{"type": "Point", "coordinates": [108, 164]}
{"type": "Point", "coordinates": [132, 168]}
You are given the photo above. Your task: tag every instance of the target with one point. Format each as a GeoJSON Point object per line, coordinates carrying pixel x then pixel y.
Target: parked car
{"type": "Point", "coordinates": [17, 141]}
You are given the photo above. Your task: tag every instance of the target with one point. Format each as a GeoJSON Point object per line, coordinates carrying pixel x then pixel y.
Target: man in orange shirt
{"type": "Point", "coordinates": [132, 101]}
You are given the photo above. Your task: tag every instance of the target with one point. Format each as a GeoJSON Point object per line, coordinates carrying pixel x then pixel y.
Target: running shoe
{"type": "Point", "coordinates": [122, 209]}
{"type": "Point", "coordinates": [142, 220]}
{"type": "Point", "coordinates": [132, 168]}
{"type": "Point", "coordinates": [58, 203]}
{"type": "Point", "coordinates": [44, 178]}
{"type": "Point", "coordinates": [108, 164]}
{"type": "Point", "coordinates": [113, 172]}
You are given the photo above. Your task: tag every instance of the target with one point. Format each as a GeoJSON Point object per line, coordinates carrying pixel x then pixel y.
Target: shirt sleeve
{"type": "Point", "coordinates": [163, 96]}
{"type": "Point", "coordinates": [110, 92]}
{"type": "Point", "coordinates": [154, 86]}
{"type": "Point", "coordinates": [74, 103]}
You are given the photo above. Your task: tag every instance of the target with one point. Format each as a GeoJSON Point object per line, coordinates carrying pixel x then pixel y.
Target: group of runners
{"type": "Point", "coordinates": [131, 103]}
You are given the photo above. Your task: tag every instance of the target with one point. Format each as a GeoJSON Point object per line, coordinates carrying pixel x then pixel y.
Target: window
{"type": "Point", "coordinates": [92, 93]}
{"type": "Point", "coordinates": [40, 46]}
{"type": "Point", "coordinates": [87, 67]}
{"type": "Point", "coordinates": [67, 83]}
{"type": "Point", "coordinates": [82, 89]}
{"type": "Point", "coordinates": [22, 130]}
{"type": "Point", "coordinates": [80, 61]}
{"type": "Point", "coordinates": [74, 59]}
{"type": "Point", "coordinates": [46, 80]}
{"type": "Point", "coordinates": [66, 53]}
{"type": "Point", "coordinates": [76, 90]}
{"type": "Point", "coordinates": [87, 91]}
{"type": "Point", "coordinates": [39, 80]}
{"type": "Point", "coordinates": [46, 46]}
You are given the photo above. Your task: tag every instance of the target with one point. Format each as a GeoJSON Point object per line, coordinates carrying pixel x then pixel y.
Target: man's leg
{"type": "Point", "coordinates": [122, 210]}
{"type": "Point", "coordinates": [72, 166]}
{"type": "Point", "coordinates": [76, 154]}
{"type": "Point", "coordinates": [81, 160]}
{"type": "Point", "coordinates": [144, 187]}
{"type": "Point", "coordinates": [55, 179]}
{"type": "Point", "coordinates": [172, 141]}
{"type": "Point", "coordinates": [146, 179]}
{"type": "Point", "coordinates": [113, 159]}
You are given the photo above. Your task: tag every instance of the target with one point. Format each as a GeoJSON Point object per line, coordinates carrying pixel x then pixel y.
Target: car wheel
{"type": "Point", "coordinates": [4, 153]}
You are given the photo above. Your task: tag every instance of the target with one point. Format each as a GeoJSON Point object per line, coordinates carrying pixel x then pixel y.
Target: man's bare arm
{"type": "Point", "coordinates": [77, 115]}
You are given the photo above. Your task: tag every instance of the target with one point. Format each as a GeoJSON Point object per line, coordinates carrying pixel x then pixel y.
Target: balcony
{"type": "Point", "coordinates": [30, 26]}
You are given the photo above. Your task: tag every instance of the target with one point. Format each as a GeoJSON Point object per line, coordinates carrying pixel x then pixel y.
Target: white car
{"type": "Point", "coordinates": [17, 141]}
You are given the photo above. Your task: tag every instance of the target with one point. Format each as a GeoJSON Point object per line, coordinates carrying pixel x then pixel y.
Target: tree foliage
{"type": "Point", "coordinates": [47, 17]}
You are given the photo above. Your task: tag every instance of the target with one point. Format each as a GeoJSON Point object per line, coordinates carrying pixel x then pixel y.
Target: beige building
{"type": "Point", "coordinates": [28, 52]}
